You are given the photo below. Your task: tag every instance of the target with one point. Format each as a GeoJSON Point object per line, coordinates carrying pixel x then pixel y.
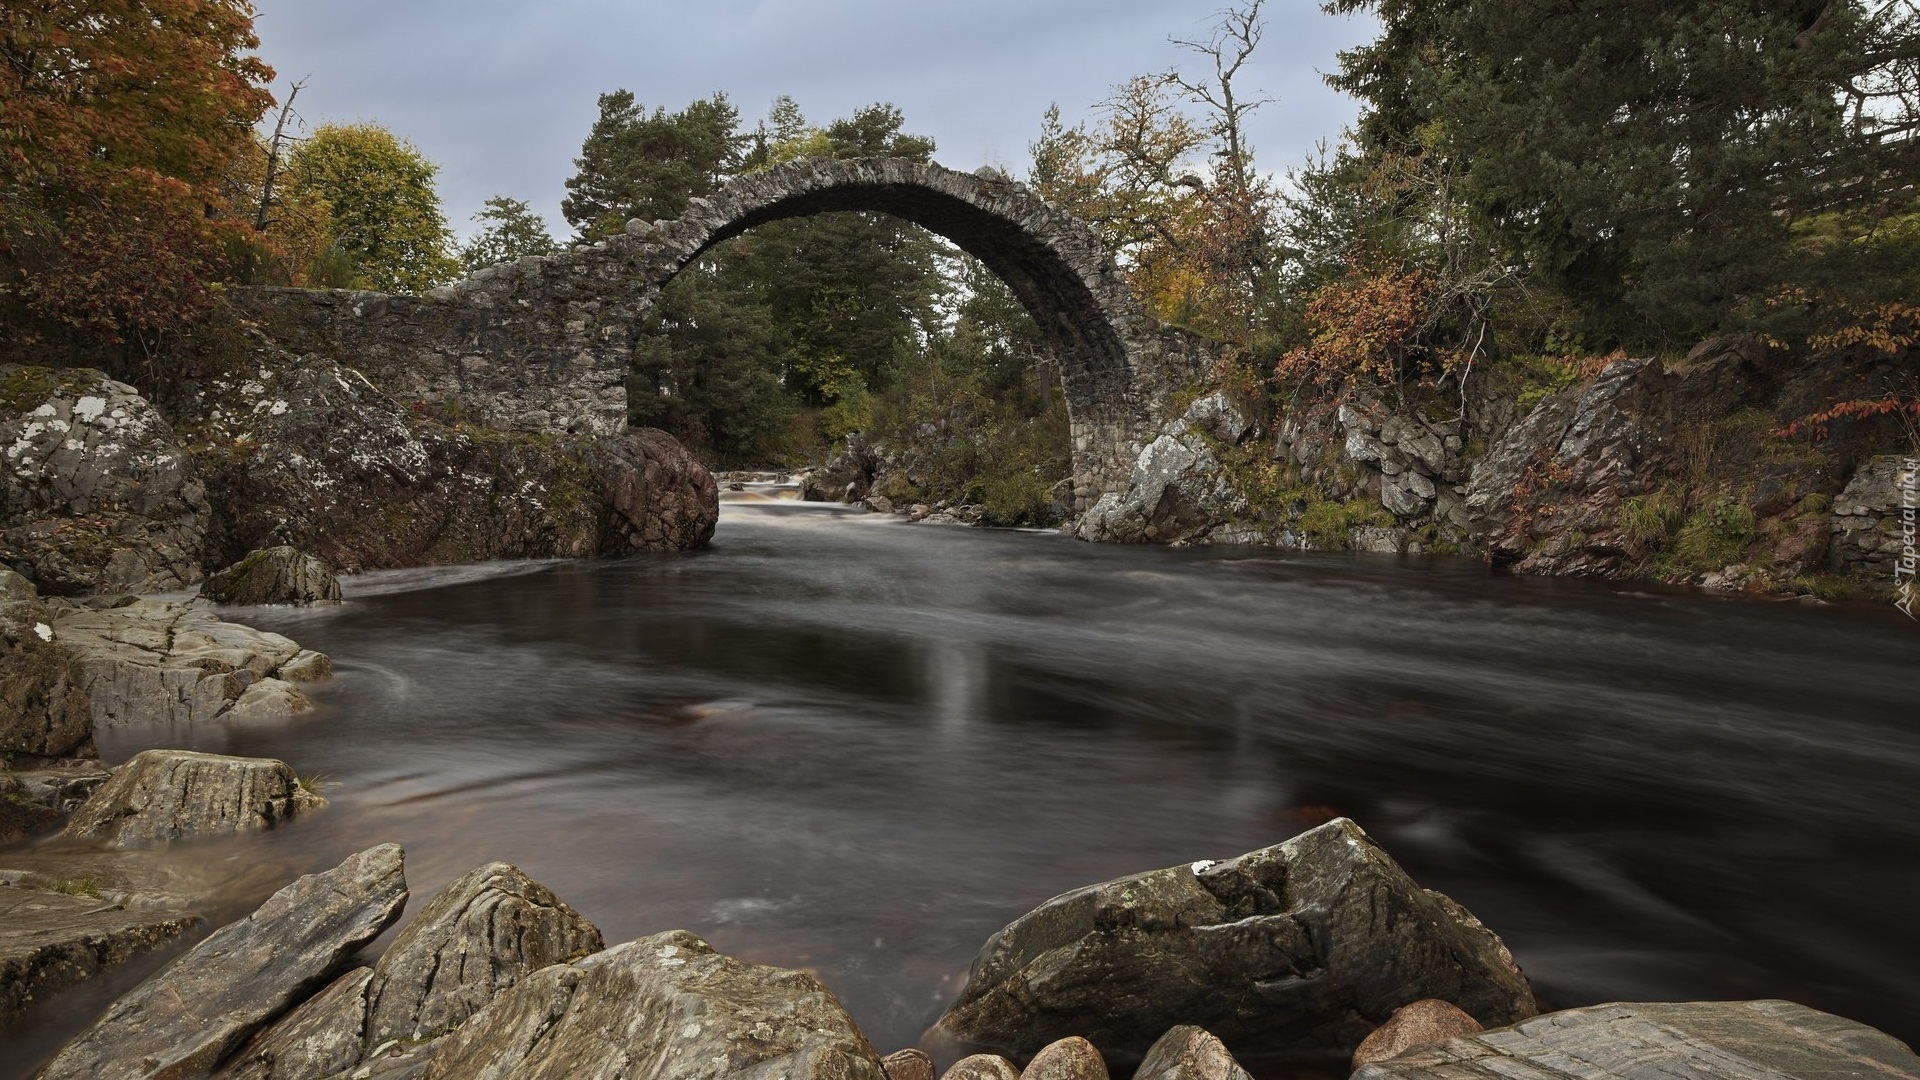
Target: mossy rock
{"type": "Point", "coordinates": [279, 575]}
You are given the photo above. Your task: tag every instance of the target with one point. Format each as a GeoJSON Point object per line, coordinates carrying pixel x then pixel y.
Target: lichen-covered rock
{"type": "Point", "coordinates": [659, 496]}
{"type": "Point", "coordinates": [667, 1006]}
{"type": "Point", "coordinates": [195, 1011]}
{"type": "Point", "coordinates": [1178, 492]}
{"type": "Point", "coordinates": [161, 796]}
{"type": "Point", "coordinates": [43, 710]}
{"type": "Point", "coordinates": [1702, 1040]}
{"type": "Point", "coordinates": [50, 940]}
{"type": "Point", "coordinates": [146, 662]}
{"type": "Point", "coordinates": [1069, 1059]}
{"type": "Point", "coordinates": [1189, 1053]}
{"type": "Point", "coordinates": [323, 1035]}
{"type": "Point", "coordinates": [278, 575]}
{"type": "Point", "coordinates": [1291, 954]}
{"type": "Point", "coordinates": [96, 493]}
{"type": "Point", "coordinates": [1418, 1024]}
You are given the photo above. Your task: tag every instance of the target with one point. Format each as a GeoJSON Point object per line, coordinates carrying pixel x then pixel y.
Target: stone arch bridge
{"type": "Point", "coordinates": [544, 343]}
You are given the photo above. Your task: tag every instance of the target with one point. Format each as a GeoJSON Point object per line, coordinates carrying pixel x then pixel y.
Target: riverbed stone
{"type": "Point", "coordinates": [1426, 1021]}
{"type": "Point", "coordinates": [51, 940]}
{"type": "Point", "coordinates": [275, 575]}
{"type": "Point", "coordinates": [1702, 1040]}
{"type": "Point", "coordinates": [1291, 954]}
{"type": "Point", "coordinates": [160, 796]}
{"type": "Point", "coordinates": [323, 1035]}
{"type": "Point", "coordinates": [1186, 1052]}
{"type": "Point", "coordinates": [982, 1067]}
{"type": "Point", "coordinates": [666, 1005]}
{"type": "Point", "coordinates": [195, 1011]}
{"type": "Point", "coordinates": [1071, 1058]}
{"type": "Point", "coordinates": [909, 1064]}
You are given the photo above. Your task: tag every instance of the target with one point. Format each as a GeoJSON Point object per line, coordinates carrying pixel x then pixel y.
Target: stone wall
{"type": "Point", "coordinates": [543, 344]}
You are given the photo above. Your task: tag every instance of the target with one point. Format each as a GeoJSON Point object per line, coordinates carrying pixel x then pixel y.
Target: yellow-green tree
{"type": "Point", "coordinates": [386, 215]}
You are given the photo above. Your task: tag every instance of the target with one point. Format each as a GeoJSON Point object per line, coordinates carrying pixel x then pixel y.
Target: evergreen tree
{"type": "Point", "coordinates": [636, 164]}
{"type": "Point", "coordinates": [512, 231]}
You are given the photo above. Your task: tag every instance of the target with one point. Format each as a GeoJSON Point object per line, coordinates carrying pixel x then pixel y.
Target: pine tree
{"type": "Point", "coordinates": [512, 231]}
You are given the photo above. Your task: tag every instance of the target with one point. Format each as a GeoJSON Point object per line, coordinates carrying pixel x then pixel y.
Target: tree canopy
{"type": "Point", "coordinates": [384, 210]}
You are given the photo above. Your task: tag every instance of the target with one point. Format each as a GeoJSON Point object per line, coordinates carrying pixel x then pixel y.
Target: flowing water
{"type": "Point", "coordinates": [847, 744]}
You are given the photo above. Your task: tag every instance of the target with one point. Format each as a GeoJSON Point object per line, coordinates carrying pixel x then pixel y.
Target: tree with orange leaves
{"type": "Point", "coordinates": [119, 120]}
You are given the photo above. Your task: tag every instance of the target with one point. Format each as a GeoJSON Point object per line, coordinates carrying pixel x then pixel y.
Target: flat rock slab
{"type": "Point", "coordinates": [1707, 1040]}
{"type": "Point", "coordinates": [51, 940]}
{"type": "Point", "coordinates": [165, 795]}
{"type": "Point", "coordinates": [192, 1013]}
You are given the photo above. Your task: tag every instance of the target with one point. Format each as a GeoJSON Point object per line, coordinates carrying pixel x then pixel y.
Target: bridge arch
{"type": "Point", "coordinates": [544, 343]}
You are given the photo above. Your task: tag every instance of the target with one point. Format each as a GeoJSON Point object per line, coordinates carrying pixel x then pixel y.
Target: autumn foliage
{"type": "Point", "coordinates": [119, 123]}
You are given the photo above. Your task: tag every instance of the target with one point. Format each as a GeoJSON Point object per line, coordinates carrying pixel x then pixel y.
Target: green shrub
{"type": "Point", "coordinates": [1714, 536]}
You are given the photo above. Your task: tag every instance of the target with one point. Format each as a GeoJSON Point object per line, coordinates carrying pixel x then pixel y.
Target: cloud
{"type": "Point", "coordinates": [500, 94]}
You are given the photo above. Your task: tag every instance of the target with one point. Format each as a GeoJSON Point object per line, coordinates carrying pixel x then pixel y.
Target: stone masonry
{"type": "Point", "coordinates": [543, 344]}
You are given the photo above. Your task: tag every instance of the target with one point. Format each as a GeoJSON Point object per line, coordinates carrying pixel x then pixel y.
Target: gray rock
{"type": "Point", "coordinates": [481, 935]}
{"type": "Point", "coordinates": [1423, 1022]}
{"type": "Point", "coordinates": [1177, 494]}
{"type": "Point", "coordinates": [52, 940]}
{"type": "Point", "coordinates": [324, 1035]}
{"type": "Point", "coordinates": [1069, 1059]}
{"type": "Point", "coordinates": [1189, 1053]}
{"type": "Point", "coordinates": [148, 662]}
{"type": "Point", "coordinates": [276, 575]}
{"type": "Point", "coordinates": [666, 1006]}
{"type": "Point", "coordinates": [43, 710]}
{"type": "Point", "coordinates": [1219, 415]}
{"type": "Point", "coordinates": [908, 1065]}
{"type": "Point", "coordinates": [165, 795]}
{"type": "Point", "coordinates": [1710, 1040]}
{"type": "Point", "coordinates": [96, 493]}
{"type": "Point", "coordinates": [982, 1067]}
{"type": "Point", "coordinates": [195, 1011]}
{"type": "Point", "coordinates": [1292, 953]}
{"type": "Point", "coordinates": [1868, 528]}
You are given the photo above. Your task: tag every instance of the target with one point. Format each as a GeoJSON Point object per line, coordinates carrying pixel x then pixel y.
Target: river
{"type": "Point", "coordinates": [844, 743]}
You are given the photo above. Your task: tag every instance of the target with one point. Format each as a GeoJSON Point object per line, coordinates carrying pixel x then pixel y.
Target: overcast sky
{"type": "Point", "coordinates": [500, 93]}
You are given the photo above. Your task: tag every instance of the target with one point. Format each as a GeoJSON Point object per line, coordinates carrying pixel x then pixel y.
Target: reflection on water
{"type": "Point", "coordinates": [846, 744]}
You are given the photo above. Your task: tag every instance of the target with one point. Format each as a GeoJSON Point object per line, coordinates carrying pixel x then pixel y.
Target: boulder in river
{"type": "Point", "coordinates": [659, 496]}
{"type": "Point", "coordinates": [1189, 1053]}
{"type": "Point", "coordinates": [982, 1067]}
{"type": "Point", "coordinates": [666, 1005]}
{"type": "Point", "coordinates": [1426, 1021]}
{"type": "Point", "coordinates": [1290, 954]}
{"type": "Point", "coordinates": [195, 1011]}
{"type": "Point", "coordinates": [479, 936]}
{"type": "Point", "coordinates": [910, 1064]}
{"type": "Point", "coordinates": [275, 575]}
{"type": "Point", "coordinates": [1709, 1040]}
{"type": "Point", "coordinates": [1069, 1059]}
{"type": "Point", "coordinates": [165, 795]}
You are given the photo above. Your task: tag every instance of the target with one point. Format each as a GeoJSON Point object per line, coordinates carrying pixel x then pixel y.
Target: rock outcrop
{"type": "Point", "coordinates": [1178, 492]}
{"type": "Point", "coordinates": [195, 1011]}
{"type": "Point", "coordinates": [43, 711]}
{"type": "Point", "coordinates": [1419, 1024]}
{"type": "Point", "coordinates": [1873, 519]}
{"type": "Point", "coordinates": [96, 493]}
{"type": "Point", "coordinates": [1710, 1040]}
{"type": "Point", "coordinates": [666, 1005]}
{"type": "Point", "coordinates": [161, 796]}
{"type": "Point", "coordinates": [278, 575]}
{"type": "Point", "coordinates": [1189, 1053]}
{"type": "Point", "coordinates": [143, 661]}
{"type": "Point", "coordinates": [1290, 954]}
{"type": "Point", "coordinates": [659, 497]}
